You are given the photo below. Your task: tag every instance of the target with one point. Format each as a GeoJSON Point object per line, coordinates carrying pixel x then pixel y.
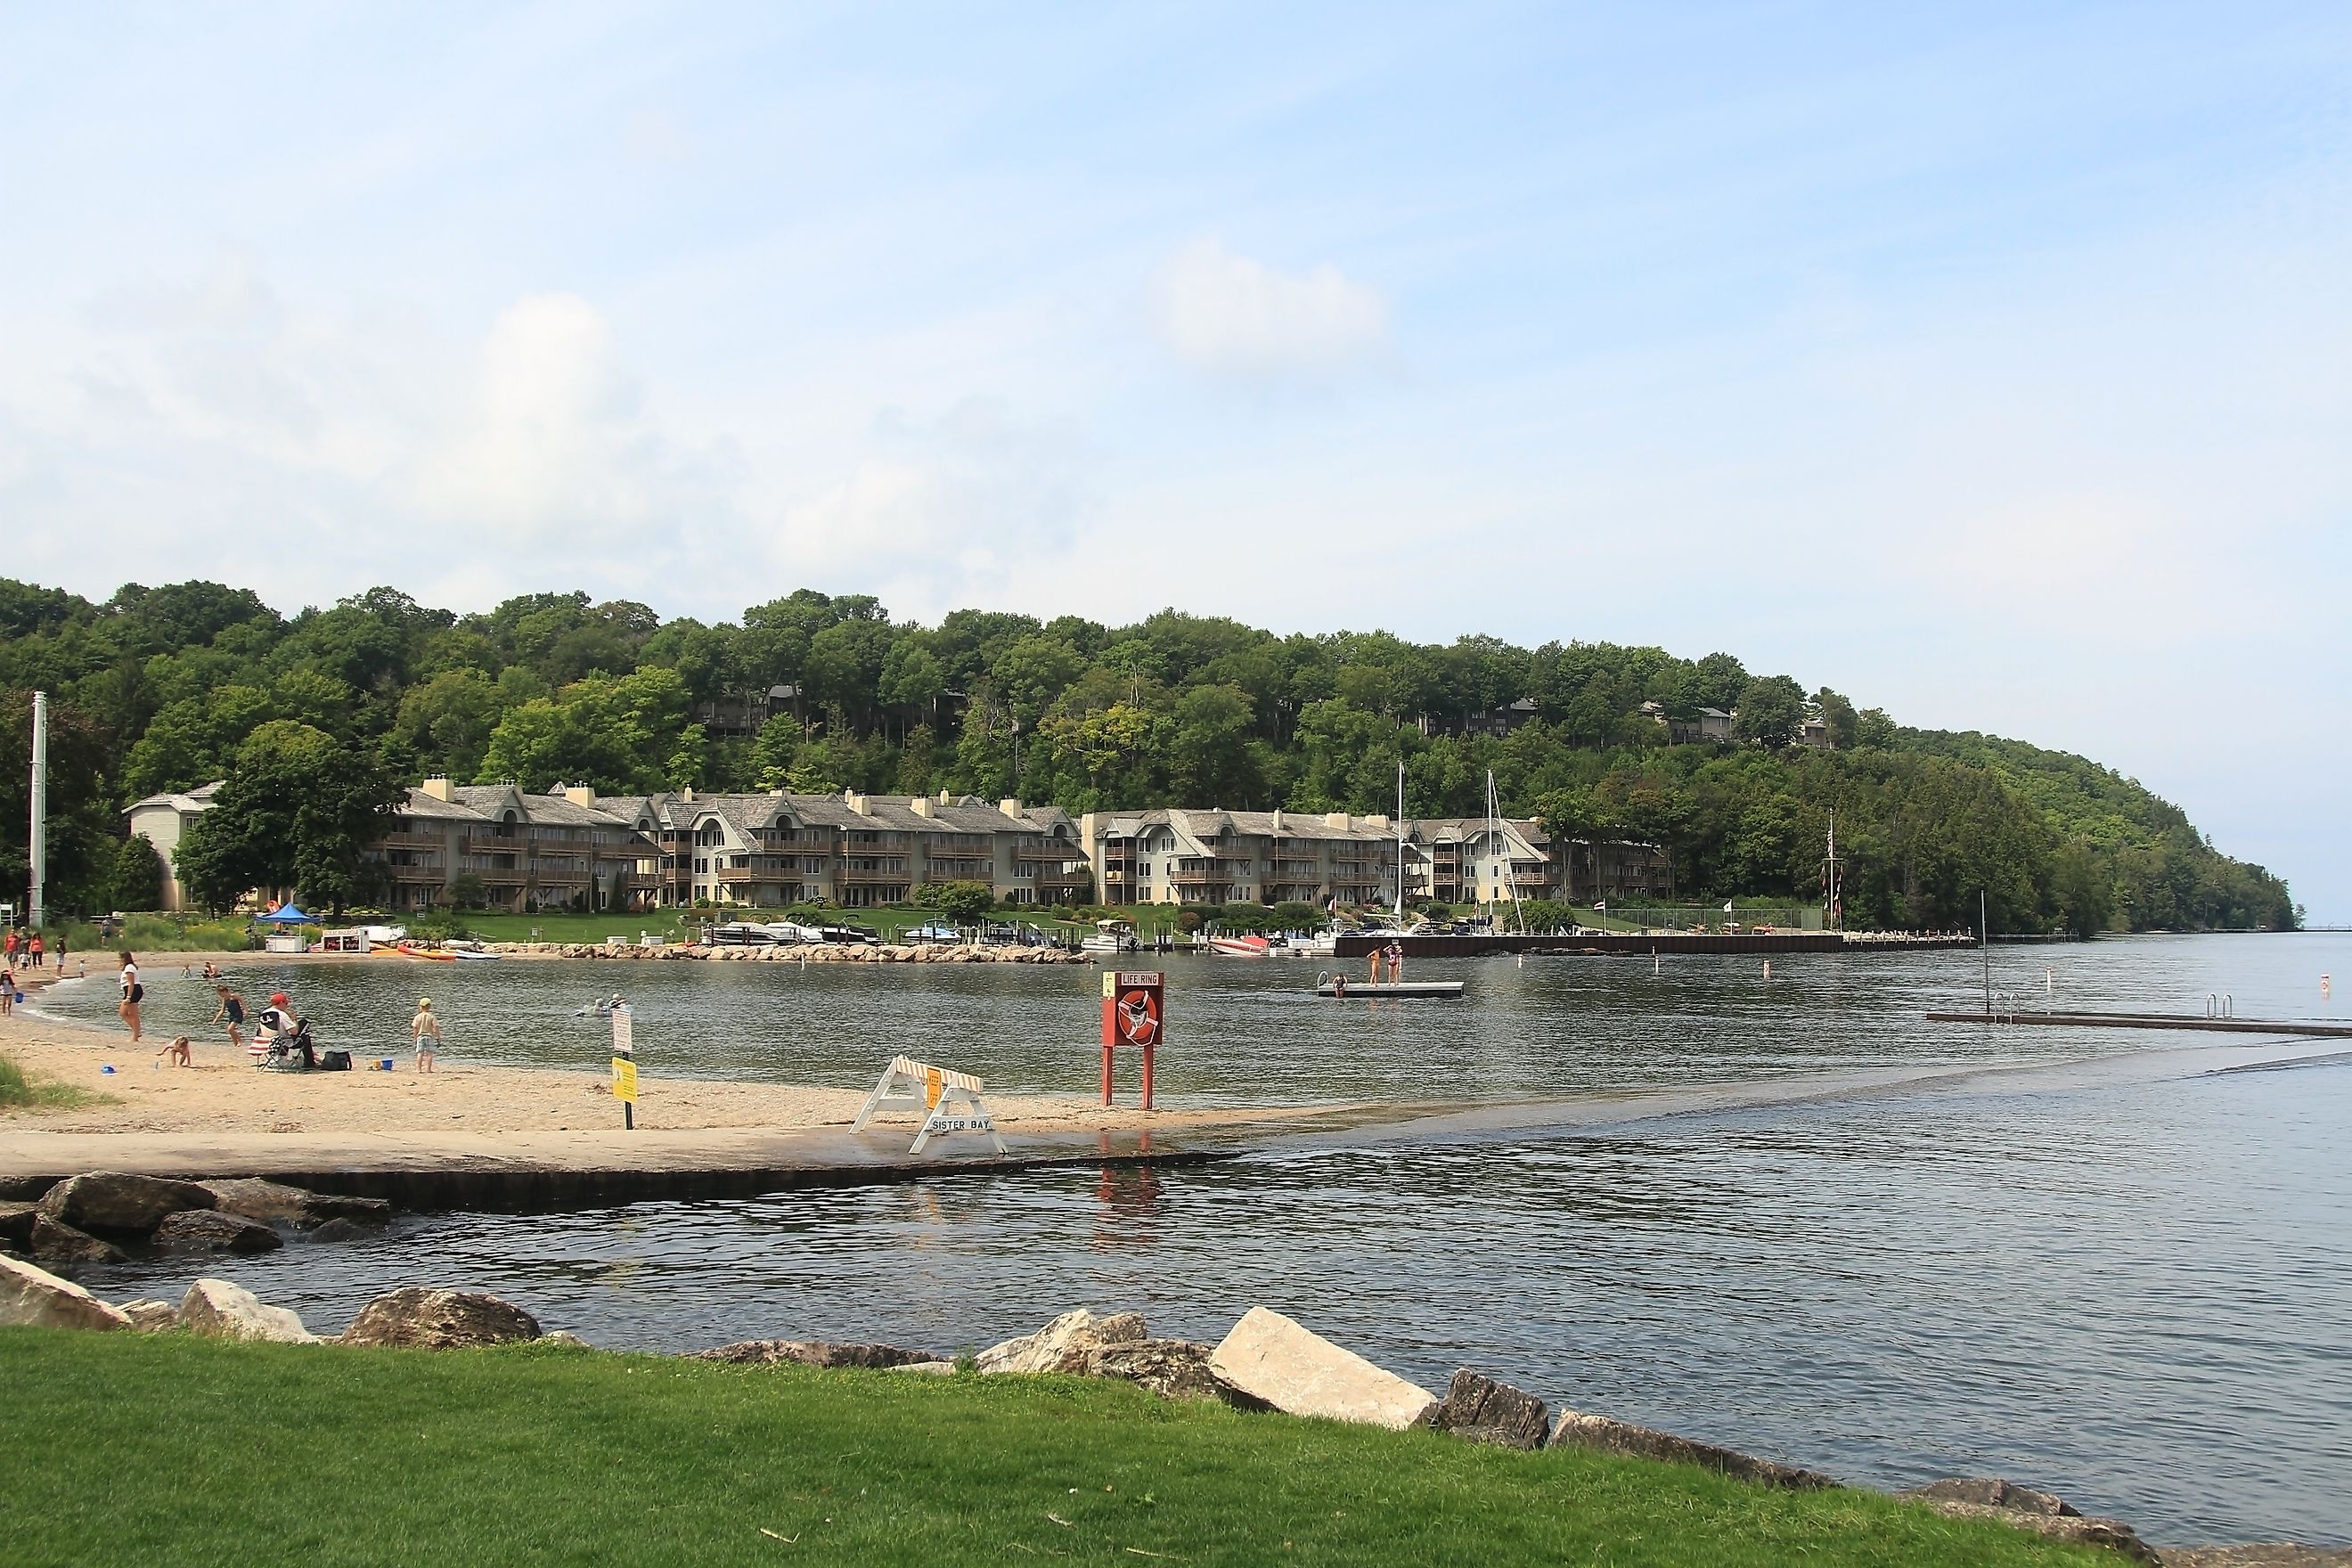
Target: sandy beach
{"type": "Point", "coordinates": [224, 1093]}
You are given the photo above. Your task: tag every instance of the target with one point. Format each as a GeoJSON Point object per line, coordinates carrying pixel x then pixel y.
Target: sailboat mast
{"type": "Point", "coordinates": [1400, 854]}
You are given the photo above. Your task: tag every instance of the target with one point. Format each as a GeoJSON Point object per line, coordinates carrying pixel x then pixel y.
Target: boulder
{"type": "Point", "coordinates": [1272, 1359]}
{"type": "Point", "coordinates": [150, 1316]}
{"type": "Point", "coordinates": [32, 1297]}
{"type": "Point", "coordinates": [2077, 1528]}
{"type": "Point", "coordinates": [1485, 1410]}
{"type": "Point", "coordinates": [2258, 1554]}
{"type": "Point", "coordinates": [340, 1230]}
{"type": "Point", "coordinates": [1577, 1429]}
{"type": "Point", "coordinates": [111, 1200]}
{"type": "Point", "coordinates": [274, 1203]}
{"type": "Point", "coordinates": [416, 1317]}
{"type": "Point", "coordinates": [16, 1223]}
{"type": "Point", "coordinates": [1990, 1492]}
{"type": "Point", "coordinates": [1172, 1369]}
{"type": "Point", "coordinates": [817, 1352]}
{"type": "Point", "coordinates": [207, 1230]}
{"type": "Point", "coordinates": [25, 1188]}
{"type": "Point", "coordinates": [567, 1339]}
{"type": "Point", "coordinates": [1070, 1344]}
{"type": "Point", "coordinates": [933, 1368]}
{"type": "Point", "coordinates": [219, 1310]}
{"type": "Point", "coordinates": [55, 1242]}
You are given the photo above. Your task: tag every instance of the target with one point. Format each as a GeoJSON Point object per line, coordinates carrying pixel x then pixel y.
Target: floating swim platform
{"type": "Point", "coordinates": [1394, 988]}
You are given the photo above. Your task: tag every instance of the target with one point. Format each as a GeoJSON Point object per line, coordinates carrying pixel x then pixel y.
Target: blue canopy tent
{"type": "Point", "coordinates": [285, 915]}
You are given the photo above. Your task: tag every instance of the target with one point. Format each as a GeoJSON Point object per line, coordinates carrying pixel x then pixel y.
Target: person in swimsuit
{"type": "Point", "coordinates": [231, 1011]}
{"type": "Point", "coordinates": [178, 1050]}
{"type": "Point", "coordinates": [425, 1032]}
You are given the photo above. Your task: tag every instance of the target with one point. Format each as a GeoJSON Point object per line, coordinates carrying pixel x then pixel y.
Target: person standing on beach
{"type": "Point", "coordinates": [10, 946]}
{"type": "Point", "coordinates": [231, 1011]}
{"type": "Point", "coordinates": [36, 950]}
{"type": "Point", "coordinates": [425, 1031]}
{"type": "Point", "coordinates": [8, 988]}
{"type": "Point", "coordinates": [132, 995]}
{"type": "Point", "coordinates": [61, 953]}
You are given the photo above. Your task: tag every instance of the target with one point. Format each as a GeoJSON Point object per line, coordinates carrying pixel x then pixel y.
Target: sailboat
{"type": "Point", "coordinates": [1510, 875]}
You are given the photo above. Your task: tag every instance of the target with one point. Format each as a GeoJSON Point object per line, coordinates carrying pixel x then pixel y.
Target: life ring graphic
{"type": "Point", "coordinates": [1137, 1017]}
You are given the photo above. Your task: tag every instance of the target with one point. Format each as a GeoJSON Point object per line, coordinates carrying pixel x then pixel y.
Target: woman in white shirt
{"type": "Point", "coordinates": [132, 993]}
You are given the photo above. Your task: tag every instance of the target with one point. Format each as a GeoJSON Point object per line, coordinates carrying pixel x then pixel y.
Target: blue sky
{"type": "Point", "coordinates": [1990, 364]}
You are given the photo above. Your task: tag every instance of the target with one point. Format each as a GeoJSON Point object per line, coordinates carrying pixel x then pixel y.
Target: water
{"type": "Point", "coordinates": [2115, 1270]}
{"type": "Point", "coordinates": [1248, 1032]}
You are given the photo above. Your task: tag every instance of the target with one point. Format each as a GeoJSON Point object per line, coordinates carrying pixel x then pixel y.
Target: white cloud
{"type": "Point", "coordinates": [1228, 314]}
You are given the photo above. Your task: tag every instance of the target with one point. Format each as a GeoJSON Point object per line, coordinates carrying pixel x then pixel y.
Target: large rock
{"type": "Point", "coordinates": [420, 1319]}
{"type": "Point", "coordinates": [54, 1241]}
{"type": "Point", "coordinates": [222, 1310]}
{"type": "Point", "coordinates": [340, 1230]}
{"type": "Point", "coordinates": [32, 1297]}
{"type": "Point", "coordinates": [1172, 1369]}
{"type": "Point", "coordinates": [817, 1352]}
{"type": "Point", "coordinates": [111, 1200]}
{"type": "Point", "coordinates": [1986, 1491]}
{"type": "Point", "coordinates": [1579, 1430]}
{"type": "Point", "coordinates": [274, 1203]}
{"type": "Point", "coordinates": [208, 1230]}
{"type": "Point", "coordinates": [1070, 1344]}
{"type": "Point", "coordinates": [2078, 1529]}
{"type": "Point", "coordinates": [1272, 1359]}
{"type": "Point", "coordinates": [150, 1316]}
{"type": "Point", "coordinates": [16, 1224]}
{"type": "Point", "coordinates": [1485, 1410]}
{"type": "Point", "coordinates": [2257, 1554]}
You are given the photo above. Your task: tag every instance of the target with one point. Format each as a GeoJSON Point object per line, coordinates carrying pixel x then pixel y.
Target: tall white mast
{"type": "Point", "coordinates": [38, 844]}
{"type": "Point", "coordinates": [1400, 854]}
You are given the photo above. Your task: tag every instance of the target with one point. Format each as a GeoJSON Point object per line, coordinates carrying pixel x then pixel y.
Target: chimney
{"type": "Point", "coordinates": [859, 802]}
{"type": "Point", "coordinates": [437, 786]}
{"type": "Point", "coordinates": [1011, 808]}
{"type": "Point", "coordinates": [1335, 820]}
{"type": "Point", "coordinates": [580, 795]}
{"type": "Point", "coordinates": [1277, 821]}
{"type": "Point", "coordinates": [687, 794]}
{"type": "Point", "coordinates": [922, 805]}
{"type": "Point", "coordinates": [946, 799]}
{"type": "Point", "coordinates": [1380, 822]}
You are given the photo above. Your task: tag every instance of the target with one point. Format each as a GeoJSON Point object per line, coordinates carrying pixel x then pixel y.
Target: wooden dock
{"type": "Point", "coordinates": [2156, 1021]}
{"type": "Point", "coordinates": [1639, 944]}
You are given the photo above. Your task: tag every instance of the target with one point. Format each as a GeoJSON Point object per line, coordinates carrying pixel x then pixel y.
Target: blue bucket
{"type": "Point", "coordinates": [384, 1066]}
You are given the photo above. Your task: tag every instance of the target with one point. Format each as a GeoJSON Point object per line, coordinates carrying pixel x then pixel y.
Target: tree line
{"type": "Point", "coordinates": [320, 716]}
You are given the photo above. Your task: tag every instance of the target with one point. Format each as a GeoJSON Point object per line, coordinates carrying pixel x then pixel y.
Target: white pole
{"type": "Point", "coordinates": [39, 842]}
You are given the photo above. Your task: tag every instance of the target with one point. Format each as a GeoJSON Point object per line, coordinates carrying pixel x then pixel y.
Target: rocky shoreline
{"type": "Point", "coordinates": [1264, 1362]}
{"type": "Point", "coordinates": [804, 953]}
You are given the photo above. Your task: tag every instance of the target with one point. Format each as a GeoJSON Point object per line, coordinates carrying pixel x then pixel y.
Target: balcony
{"type": "Point", "coordinates": [870, 878]}
{"type": "Point", "coordinates": [413, 841]}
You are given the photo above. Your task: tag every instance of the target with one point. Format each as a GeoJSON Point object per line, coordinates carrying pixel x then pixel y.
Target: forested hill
{"type": "Point", "coordinates": [166, 688]}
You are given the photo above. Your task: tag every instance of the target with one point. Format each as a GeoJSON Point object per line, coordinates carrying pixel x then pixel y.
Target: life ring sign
{"type": "Point", "coordinates": [1134, 1015]}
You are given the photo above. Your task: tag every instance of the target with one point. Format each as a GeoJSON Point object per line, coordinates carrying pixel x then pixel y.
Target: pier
{"type": "Point", "coordinates": [2223, 1025]}
{"type": "Point", "coordinates": [1641, 944]}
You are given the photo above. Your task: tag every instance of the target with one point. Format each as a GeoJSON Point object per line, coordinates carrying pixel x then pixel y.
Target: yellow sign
{"type": "Point", "coordinates": [932, 1083]}
{"type": "Point", "coordinates": [625, 1080]}
{"type": "Point", "coordinates": [1110, 983]}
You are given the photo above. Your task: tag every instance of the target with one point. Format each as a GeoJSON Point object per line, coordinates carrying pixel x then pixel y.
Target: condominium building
{"type": "Point", "coordinates": [527, 851]}
{"type": "Point", "coordinates": [776, 849]}
{"type": "Point", "coordinates": [1468, 860]}
{"type": "Point", "coordinates": [1179, 857]}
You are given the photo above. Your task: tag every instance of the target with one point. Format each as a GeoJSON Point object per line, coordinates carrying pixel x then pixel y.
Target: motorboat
{"type": "Point", "coordinates": [1240, 946]}
{"type": "Point", "coordinates": [793, 932]}
{"type": "Point", "coordinates": [1110, 936]}
{"type": "Point", "coordinates": [934, 931]}
{"type": "Point", "coordinates": [1324, 946]}
{"type": "Point", "coordinates": [848, 935]}
{"type": "Point", "coordinates": [474, 951]}
{"type": "Point", "coordinates": [741, 933]}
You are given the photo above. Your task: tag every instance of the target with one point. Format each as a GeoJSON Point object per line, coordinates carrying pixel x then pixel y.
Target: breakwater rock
{"type": "Point", "coordinates": [798, 953]}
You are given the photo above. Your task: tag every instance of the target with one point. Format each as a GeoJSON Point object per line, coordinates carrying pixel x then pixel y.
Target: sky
{"type": "Point", "coordinates": [1990, 364]}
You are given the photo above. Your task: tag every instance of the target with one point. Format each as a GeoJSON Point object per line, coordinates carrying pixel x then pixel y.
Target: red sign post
{"type": "Point", "coordinates": [1134, 1002]}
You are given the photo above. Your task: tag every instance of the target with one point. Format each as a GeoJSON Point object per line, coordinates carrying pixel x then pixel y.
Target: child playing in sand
{"type": "Point", "coordinates": [178, 1051]}
{"type": "Point", "coordinates": [425, 1029]}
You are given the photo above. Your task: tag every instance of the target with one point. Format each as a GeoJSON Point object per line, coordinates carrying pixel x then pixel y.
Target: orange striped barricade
{"type": "Point", "coordinates": [950, 1102]}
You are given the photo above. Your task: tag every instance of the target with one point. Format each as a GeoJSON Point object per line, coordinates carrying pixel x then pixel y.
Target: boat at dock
{"type": "Point", "coordinates": [1240, 946]}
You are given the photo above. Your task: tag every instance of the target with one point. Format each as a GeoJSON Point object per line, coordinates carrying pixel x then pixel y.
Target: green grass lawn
{"type": "Point", "coordinates": [145, 1449]}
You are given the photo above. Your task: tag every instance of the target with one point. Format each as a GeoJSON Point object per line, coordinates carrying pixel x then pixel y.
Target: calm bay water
{"type": "Point", "coordinates": [2105, 1263]}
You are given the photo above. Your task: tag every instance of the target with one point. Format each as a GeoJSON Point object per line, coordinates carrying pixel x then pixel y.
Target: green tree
{"type": "Point", "coordinates": [138, 880]}
{"type": "Point", "coordinates": [1771, 711]}
{"type": "Point", "coordinates": [298, 810]}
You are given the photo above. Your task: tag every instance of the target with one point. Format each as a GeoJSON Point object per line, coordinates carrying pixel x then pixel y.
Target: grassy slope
{"type": "Point", "coordinates": [22, 1090]}
{"type": "Point", "coordinates": [167, 1449]}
